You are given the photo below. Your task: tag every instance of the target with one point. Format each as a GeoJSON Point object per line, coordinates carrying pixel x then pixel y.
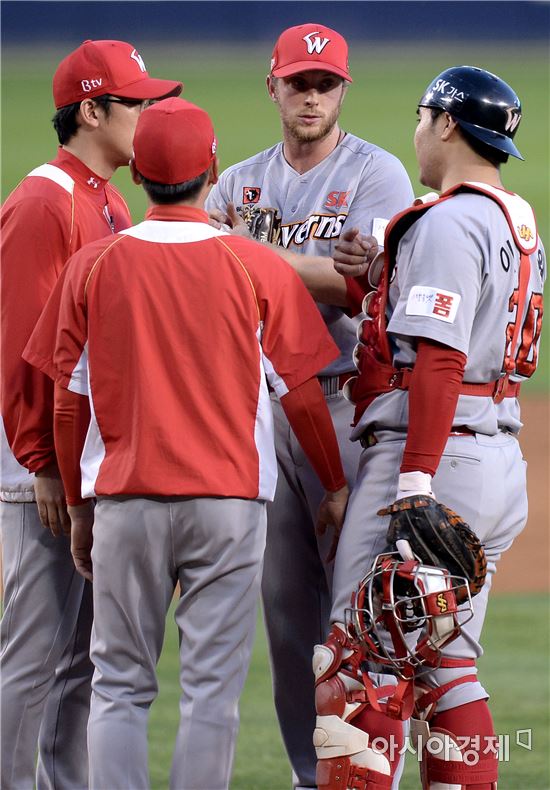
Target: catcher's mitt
{"type": "Point", "coordinates": [264, 223]}
{"type": "Point", "coordinates": [438, 536]}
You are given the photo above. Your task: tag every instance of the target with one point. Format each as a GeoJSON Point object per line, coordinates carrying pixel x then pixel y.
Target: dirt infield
{"type": "Point", "coordinates": [526, 566]}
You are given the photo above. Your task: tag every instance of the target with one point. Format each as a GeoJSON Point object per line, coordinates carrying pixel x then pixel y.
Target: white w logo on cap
{"type": "Point", "coordinates": [139, 60]}
{"type": "Point", "coordinates": [315, 44]}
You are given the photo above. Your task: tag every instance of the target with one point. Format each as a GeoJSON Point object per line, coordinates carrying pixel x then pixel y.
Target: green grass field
{"type": "Point", "coordinates": [514, 670]}
{"type": "Point", "coordinates": [229, 83]}
{"type": "Point", "coordinates": [381, 107]}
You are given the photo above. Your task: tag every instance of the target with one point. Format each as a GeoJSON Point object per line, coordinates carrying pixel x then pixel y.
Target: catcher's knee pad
{"type": "Point", "coordinates": [346, 758]}
{"type": "Point", "coordinates": [356, 746]}
{"type": "Point", "coordinates": [461, 751]}
{"type": "Point", "coordinates": [338, 688]}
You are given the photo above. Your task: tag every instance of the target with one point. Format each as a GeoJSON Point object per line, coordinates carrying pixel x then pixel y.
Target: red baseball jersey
{"type": "Point", "coordinates": [55, 210]}
{"type": "Point", "coordinates": [174, 329]}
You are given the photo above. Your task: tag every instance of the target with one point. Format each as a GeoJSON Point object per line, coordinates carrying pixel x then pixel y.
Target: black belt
{"type": "Point", "coordinates": [368, 437]}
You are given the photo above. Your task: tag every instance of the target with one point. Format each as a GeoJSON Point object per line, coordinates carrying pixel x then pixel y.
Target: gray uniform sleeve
{"type": "Point", "coordinates": [438, 279]}
{"type": "Point", "coordinates": [384, 191]}
{"type": "Point", "coordinates": [217, 197]}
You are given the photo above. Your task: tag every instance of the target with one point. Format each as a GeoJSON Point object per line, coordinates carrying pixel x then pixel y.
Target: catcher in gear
{"type": "Point", "coordinates": [452, 328]}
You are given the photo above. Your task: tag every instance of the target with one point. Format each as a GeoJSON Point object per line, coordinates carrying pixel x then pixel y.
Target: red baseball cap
{"type": "Point", "coordinates": [112, 67]}
{"type": "Point", "coordinates": [174, 142]}
{"type": "Point", "coordinates": [310, 47]}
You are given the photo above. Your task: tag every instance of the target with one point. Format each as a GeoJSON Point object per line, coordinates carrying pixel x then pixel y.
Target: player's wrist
{"type": "Point", "coordinates": [338, 489]}
{"type": "Point", "coordinates": [414, 484]}
{"type": "Point", "coordinates": [49, 469]}
{"type": "Point", "coordinates": [76, 501]}
{"type": "Point", "coordinates": [337, 480]}
{"type": "Point", "coordinates": [80, 508]}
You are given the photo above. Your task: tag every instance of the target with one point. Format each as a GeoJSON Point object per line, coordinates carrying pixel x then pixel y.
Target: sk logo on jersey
{"type": "Point", "coordinates": [442, 603]}
{"type": "Point", "coordinates": [93, 182]}
{"type": "Point", "coordinates": [337, 199]}
{"type": "Point", "coordinates": [251, 194]}
{"type": "Point", "coordinates": [525, 233]}
{"type": "Point", "coordinates": [315, 44]}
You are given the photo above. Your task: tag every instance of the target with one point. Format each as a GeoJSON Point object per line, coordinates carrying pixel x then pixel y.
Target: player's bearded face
{"type": "Point", "coordinates": [309, 104]}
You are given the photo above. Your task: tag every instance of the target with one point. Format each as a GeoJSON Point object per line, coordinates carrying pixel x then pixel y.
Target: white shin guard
{"type": "Point", "coordinates": [344, 751]}
{"type": "Point", "coordinates": [334, 737]}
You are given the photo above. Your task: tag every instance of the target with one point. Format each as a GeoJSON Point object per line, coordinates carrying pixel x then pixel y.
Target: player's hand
{"type": "Point", "coordinates": [353, 253]}
{"type": "Point", "coordinates": [50, 500]}
{"type": "Point", "coordinates": [332, 511]}
{"type": "Point", "coordinates": [217, 218]}
{"type": "Point", "coordinates": [231, 221]}
{"type": "Point", "coordinates": [236, 222]}
{"type": "Point", "coordinates": [82, 521]}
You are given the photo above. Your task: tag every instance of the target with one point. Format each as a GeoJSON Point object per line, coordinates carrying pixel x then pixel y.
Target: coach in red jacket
{"type": "Point", "coordinates": [173, 332]}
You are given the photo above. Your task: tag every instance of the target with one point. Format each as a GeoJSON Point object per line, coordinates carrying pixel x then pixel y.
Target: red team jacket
{"type": "Point", "coordinates": [53, 212]}
{"type": "Point", "coordinates": [171, 328]}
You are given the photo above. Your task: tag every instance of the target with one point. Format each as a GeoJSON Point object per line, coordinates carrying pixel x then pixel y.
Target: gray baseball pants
{"type": "Point", "coordinates": [296, 584]}
{"type": "Point", "coordinates": [142, 548]}
{"type": "Point", "coordinates": [45, 667]}
{"type": "Point", "coordinates": [482, 478]}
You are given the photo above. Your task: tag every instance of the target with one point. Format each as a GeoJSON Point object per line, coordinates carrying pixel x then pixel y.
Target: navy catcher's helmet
{"type": "Point", "coordinates": [480, 102]}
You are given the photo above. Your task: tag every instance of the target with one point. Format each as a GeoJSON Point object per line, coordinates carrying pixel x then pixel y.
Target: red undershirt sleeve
{"type": "Point", "coordinates": [310, 420]}
{"type": "Point", "coordinates": [356, 288]}
{"type": "Point", "coordinates": [71, 421]}
{"type": "Point", "coordinates": [433, 394]}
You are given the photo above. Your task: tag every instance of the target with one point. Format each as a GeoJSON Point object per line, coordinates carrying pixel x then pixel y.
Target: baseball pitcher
{"type": "Point", "coordinates": [303, 195]}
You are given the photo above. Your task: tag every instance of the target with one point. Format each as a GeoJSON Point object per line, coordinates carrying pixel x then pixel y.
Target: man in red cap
{"type": "Point", "coordinates": [180, 326]}
{"type": "Point", "coordinates": [321, 185]}
{"type": "Point", "coordinates": [99, 91]}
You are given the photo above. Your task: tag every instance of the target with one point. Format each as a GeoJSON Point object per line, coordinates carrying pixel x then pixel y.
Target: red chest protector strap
{"type": "Point", "coordinates": [377, 374]}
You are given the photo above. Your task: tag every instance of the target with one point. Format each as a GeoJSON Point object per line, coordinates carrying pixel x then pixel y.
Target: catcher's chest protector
{"type": "Point", "coordinates": [374, 358]}
{"type": "Point", "coordinates": [518, 213]}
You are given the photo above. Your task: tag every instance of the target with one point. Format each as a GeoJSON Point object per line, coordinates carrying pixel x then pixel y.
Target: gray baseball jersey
{"type": "Point", "coordinates": [357, 185]}
{"type": "Point", "coordinates": [471, 271]}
